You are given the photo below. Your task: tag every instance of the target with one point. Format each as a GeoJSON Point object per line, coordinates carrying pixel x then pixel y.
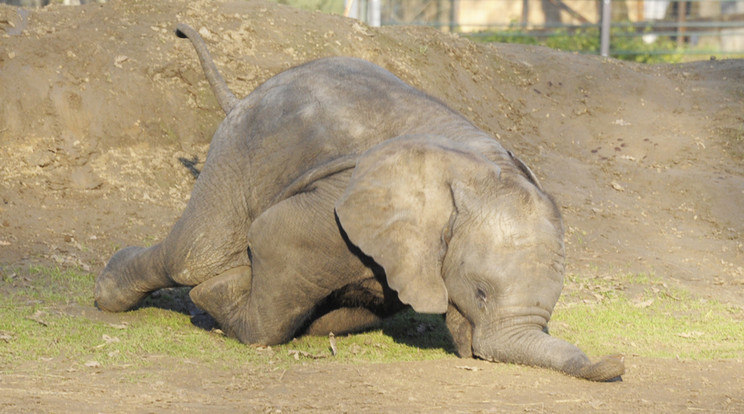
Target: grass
{"type": "Point", "coordinates": [655, 321]}
{"type": "Point", "coordinates": [46, 315]}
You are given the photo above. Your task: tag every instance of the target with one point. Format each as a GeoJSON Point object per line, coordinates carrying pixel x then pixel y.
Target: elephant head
{"type": "Point", "coordinates": [479, 240]}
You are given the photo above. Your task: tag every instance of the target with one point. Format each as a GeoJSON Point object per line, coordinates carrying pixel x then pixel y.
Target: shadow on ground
{"type": "Point", "coordinates": [178, 300]}
{"type": "Point", "coordinates": [406, 327]}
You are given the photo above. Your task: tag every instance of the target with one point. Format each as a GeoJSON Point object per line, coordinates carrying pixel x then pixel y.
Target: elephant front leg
{"type": "Point", "coordinates": [268, 317]}
{"type": "Point", "coordinates": [283, 290]}
{"type": "Point", "coordinates": [224, 295]}
{"type": "Point", "coordinates": [298, 258]}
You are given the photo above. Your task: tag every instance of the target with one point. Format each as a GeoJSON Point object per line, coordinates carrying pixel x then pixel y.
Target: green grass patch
{"type": "Point", "coordinates": [44, 285]}
{"type": "Point", "coordinates": [47, 316]}
{"type": "Point", "coordinates": [638, 314]}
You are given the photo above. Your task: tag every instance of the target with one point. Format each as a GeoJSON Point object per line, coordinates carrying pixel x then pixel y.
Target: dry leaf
{"type": "Point", "coordinates": [297, 354]}
{"type": "Point", "coordinates": [644, 304]}
{"type": "Point", "coordinates": [6, 336]}
{"type": "Point", "coordinates": [468, 368]}
{"type": "Point", "coordinates": [36, 317]}
{"type": "Point", "coordinates": [692, 334]}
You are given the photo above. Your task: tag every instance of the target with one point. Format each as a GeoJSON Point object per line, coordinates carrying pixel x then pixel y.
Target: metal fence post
{"type": "Point", "coordinates": [604, 31]}
{"type": "Point", "coordinates": [351, 8]}
{"type": "Point", "coordinates": [374, 13]}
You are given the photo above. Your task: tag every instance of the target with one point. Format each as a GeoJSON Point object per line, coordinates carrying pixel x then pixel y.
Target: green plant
{"type": "Point", "coordinates": [625, 42]}
{"type": "Point", "coordinates": [327, 6]}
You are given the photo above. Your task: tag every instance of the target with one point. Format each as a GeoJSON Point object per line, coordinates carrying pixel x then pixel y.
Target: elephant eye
{"type": "Point", "coordinates": [480, 293]}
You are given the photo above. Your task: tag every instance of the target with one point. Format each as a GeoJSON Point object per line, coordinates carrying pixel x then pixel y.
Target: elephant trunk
{"type": "Point", "coordinates": [526, 343]}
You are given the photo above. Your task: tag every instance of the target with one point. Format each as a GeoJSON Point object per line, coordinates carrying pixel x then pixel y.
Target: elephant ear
{"type": "Point", "coordinates": [397, 209]}
{"type": "Point", "coordinates": [526, 170]}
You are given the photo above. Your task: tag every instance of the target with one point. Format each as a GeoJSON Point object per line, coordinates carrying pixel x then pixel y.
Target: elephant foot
{"type": "Point", "coordinates": [223, 294]}
{"type": "Point", "coordinates": [128, 278]}
{"type": "Point", "coordinates": [607, 369]}
{"type": "Point", "coordinates": [109, 296]}
{"type": "Point", "coordinates": [344, 321]}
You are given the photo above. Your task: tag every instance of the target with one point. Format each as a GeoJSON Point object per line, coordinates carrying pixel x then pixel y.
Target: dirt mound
{"type": "Point", "coordinates": [101, 105]}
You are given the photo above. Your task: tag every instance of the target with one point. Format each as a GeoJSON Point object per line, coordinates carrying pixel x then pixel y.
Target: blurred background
{"type": "Point", "coordinates": [638, 30]}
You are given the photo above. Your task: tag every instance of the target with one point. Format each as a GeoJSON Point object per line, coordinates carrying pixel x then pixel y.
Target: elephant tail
{"type": "Point", "coordinates": [224, 96]}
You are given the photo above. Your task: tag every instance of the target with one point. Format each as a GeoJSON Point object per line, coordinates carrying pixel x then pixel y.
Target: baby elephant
{"type": "Point", "coordinates": [334, 195]}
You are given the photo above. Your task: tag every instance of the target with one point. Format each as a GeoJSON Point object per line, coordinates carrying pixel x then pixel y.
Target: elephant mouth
{"type": "Point", "coordinates": [484, 357]}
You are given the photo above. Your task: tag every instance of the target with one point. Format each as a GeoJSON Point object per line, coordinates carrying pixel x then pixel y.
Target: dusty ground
{"type": "Point", "coordinates": [98, 102]}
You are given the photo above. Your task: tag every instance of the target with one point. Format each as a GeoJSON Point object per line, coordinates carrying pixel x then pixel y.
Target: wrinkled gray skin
{"type": "Point", "coordinates": [334, 195]}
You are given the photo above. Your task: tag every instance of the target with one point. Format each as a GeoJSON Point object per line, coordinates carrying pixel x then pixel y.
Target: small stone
{"type": "Point", "coordinates": [84, 178]}
{"type": "Point", "coordinates": [119, 60]}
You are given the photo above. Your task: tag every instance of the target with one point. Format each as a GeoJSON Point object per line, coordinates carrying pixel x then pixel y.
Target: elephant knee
{"type": "Point", "coordinates": [223, 295]}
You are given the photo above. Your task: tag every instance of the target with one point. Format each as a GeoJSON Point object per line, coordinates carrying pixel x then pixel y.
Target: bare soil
{"type": "Point", "coordinates": [99, 102]}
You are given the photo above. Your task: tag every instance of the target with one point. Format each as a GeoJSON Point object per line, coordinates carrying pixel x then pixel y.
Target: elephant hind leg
{"type": "Point", "coordinates": [130, 275]}
{"type": "Point", "coordinates": [344, 321]}
{"type": "Point", "coordinates": [222, 295]}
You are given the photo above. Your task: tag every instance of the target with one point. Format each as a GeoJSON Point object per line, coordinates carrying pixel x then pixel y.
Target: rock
{"type": "Point", "coordinates": [84, 178]}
